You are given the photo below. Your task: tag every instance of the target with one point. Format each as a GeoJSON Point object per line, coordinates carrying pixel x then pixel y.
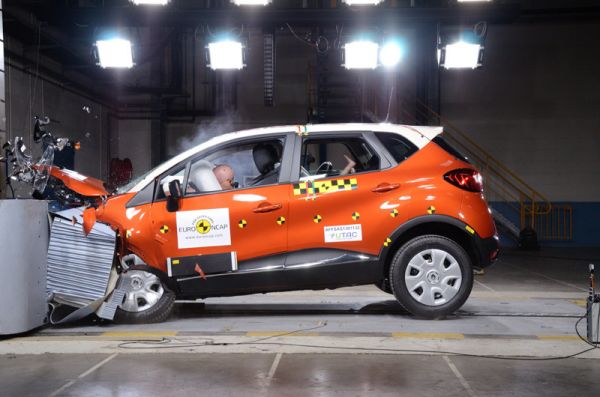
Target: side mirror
{"type": "Point", "coordinates": [174, 196]}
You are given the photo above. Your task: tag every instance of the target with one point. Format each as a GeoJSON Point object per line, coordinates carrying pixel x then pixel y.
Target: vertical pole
{"type": "Point", "coordinates": [428, 76]}
{"type": "Point", "coordinates": [3, 133]}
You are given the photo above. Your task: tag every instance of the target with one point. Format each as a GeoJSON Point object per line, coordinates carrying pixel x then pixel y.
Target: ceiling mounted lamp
{"type": "Point", "coordinates": [114, 53]}
{"type": "Point", "coordinates": [150, 2]}
{"type": "Point", "coordinates": [251, 2]}
{"type": "Point", "coordinates": [226, 54]}
{"type": "Point", "coordinates": [390, 54]}
{"type": "Point", "coordinates": [361, 54]}
{"type": "Point", "coordinates": [461, 55]}
{"type": "Point", "coordinates": [362, 2]}
{"type": "Point", "coordinates": [474, 1]}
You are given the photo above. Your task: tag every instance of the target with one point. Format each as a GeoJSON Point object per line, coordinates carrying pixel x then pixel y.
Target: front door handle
{"type": "Point", "coordinates": [267, 207]}
{"type": "Point", "coordinates": [385, 187]}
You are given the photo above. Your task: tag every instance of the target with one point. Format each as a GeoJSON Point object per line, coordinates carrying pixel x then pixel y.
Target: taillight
{"type": "Point", "coordinates": [465, 178]}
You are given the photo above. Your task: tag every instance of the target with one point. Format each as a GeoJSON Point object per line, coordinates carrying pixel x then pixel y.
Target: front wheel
{"type": "Point", "coordinates": [147, 299]}
{"type": "Point", "coordinates": [431, 276]}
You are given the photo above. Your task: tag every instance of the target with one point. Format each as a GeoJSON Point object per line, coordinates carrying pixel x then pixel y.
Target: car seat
{"type": "Point", "coordinates": [266, 158]}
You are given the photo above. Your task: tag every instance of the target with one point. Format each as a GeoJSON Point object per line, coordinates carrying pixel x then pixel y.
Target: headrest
{"type": "Point", "coordinates": [266, 155]}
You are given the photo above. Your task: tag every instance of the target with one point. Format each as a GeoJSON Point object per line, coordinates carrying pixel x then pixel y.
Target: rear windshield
{"type": "Point", "coordinates": [450, 149]}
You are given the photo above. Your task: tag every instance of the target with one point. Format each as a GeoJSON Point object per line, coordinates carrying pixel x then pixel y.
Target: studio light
{"type": "Point", "coordinates": [474, 1]}
{"type": "Point", "coordinates": [115, 53]}
{"type": "Point", "coordinates": [461, 55]}
{"type": "Point", "coordinates": [390, 54]}
{"type": "Point", "coordinates": [251, 2]}
{"type": "Point", "coordinates": [150, 2]}
{"type": "Point", "coordinates": [226, 54]}
{"type": "Point", "coordinates": [362, 2]}
{"type": "Point", "coordinates": [361, 54]}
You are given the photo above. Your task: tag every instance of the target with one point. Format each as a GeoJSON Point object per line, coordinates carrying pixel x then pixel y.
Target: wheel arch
{"type": "Point", "coordinates": [440, 225]}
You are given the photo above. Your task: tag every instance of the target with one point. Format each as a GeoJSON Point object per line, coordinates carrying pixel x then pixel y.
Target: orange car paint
{"type": "Point", "coordinates": [297, 221]}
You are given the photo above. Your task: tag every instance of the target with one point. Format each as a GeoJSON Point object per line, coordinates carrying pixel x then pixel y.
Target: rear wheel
{"type": "Point", "coordinates": [148, 300]}
{"type": "Point", "coordinates": [431, 276]}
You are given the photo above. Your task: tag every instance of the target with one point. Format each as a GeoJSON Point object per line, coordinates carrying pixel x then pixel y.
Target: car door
{"type": "Point", "coordinates": [248, 222]}
{"type": "Point", "coordinates": [336, 206]}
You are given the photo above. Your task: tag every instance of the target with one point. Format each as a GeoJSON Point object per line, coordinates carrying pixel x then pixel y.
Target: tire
{"type": "Point", "coordinates": [148, 301]}
{"type": "Point", "coordinates": [431, 276]}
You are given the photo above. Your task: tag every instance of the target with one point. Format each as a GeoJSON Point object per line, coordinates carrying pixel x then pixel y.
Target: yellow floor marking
{"type": "Point", "coordinates": [138, 334]}
{"type": "Point", "coordinates": [427, 335]}
{"type": "Point", "coordinates": [280, 333]}
{"type": "Point", "coordinates": [579, 302]}
{"type": "Point", "coordinates": [558, 337]}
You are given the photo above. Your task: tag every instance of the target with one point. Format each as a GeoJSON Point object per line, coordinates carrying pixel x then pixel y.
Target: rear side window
{"type": "Point", "coordinates": [399, 147]}
{"type": "Point", "coordinates": [441, 142]}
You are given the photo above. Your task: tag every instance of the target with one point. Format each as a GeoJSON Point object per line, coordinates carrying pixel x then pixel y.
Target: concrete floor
{"type": "Point", "coordinates": [351, 341]}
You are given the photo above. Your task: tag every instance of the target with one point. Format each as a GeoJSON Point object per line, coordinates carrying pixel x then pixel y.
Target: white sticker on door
{"type": "Point", "coordinates": [203, 228]}
{"type": "Point", "coordinates": [336, 234]}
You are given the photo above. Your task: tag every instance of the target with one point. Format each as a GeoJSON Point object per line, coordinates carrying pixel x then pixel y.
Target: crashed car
{"type": "Point", "coordinates": [306, 207]}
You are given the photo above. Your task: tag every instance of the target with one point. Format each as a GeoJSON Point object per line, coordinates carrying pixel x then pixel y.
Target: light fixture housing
{"type": "Point", "coordinates": [474, 1]}
{"type": "Point", "coordinates": [362, 2]}
{"type": "Point", "coordinates": [461, 55]}
{"type": "Point", "coordinates": [115, 53]}
{"type": "Point", "coordinates": [226, 54]}
{"type": "Point", "coordinates": [150, 2]}
{"type": "Point", "coordinates": [361, 54]}
{"type": "Point", "coordinates": [251, 2]}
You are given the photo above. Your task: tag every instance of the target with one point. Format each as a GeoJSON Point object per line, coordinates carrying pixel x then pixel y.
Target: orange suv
{"type": "Point", "coordinates": [304, 207]}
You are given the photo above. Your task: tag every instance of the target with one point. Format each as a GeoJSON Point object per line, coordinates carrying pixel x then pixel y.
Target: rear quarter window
{"type": "Point", "coordinates": [441, 142]}
{"type": "Point", "coordinates": [399, 147]}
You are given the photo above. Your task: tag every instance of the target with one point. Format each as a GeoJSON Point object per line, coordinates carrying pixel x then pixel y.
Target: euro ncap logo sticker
{"type": "Point", "coordinates": [203, 228]}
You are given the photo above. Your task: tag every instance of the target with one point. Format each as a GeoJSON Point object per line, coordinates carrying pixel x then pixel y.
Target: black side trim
{"type": "Point", "coordinates": [325, 269]}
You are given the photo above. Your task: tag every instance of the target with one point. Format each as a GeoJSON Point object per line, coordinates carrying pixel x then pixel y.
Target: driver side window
{"type": "Point", "coordinates": [247, 164]}
{"type": "Point", "coordinates": [325, 157]}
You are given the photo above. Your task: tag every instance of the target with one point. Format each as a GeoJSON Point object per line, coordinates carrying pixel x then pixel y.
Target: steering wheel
{"type": "Point", "coordinates": [327, 164]}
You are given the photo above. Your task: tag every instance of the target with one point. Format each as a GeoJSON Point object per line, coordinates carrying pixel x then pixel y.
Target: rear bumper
{"type": "Point", "coordinates": [488, 249]}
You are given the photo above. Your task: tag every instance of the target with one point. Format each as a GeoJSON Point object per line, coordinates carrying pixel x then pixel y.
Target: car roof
{"type": "Point", "coordinates": [418, 135]}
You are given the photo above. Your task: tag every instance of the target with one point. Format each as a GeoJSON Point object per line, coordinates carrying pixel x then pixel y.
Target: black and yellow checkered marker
{"type": "Point", "coordinates": [280, 220]}
{"type": "Point", "coordinates": [431, 210]}
{"type": "Point", "coordinates": [317, 218]}
{"type": "Point", "coordinates": [164, 229]}
{"type": "Point", "coordinates": [242, 223]}
{"type": "Point", "coordinates": [127, 233]}
{"type": "Point", "coordinates": [355, 216]}
{"type": "Point", "coordinates": [316, 187]}
{"type": "Point", "coordinates": [394, 213]}
{"type": "Point", "coordinates": [387, 242]}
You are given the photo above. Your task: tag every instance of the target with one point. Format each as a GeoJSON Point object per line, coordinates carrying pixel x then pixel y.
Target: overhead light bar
{"type": "Point", "coordinates": [251, 2]}
{"type": "Point", "coordinates": [115, 53]}
{"type": "Point", "coordinates": [362, 2]}
{"type": "Point", "coordinates": [474, 1]}
{"type": "Point", "coordinates": [226, 54]}
{"type": "Point", "coordinates": [461, 55]}
{"type": "Point", "coordinates": [150, 2]}
{"type": "Point", "coordinates": [360, 54]}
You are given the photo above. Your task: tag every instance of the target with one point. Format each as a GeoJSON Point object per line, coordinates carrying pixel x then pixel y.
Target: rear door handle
{"type": "Point", "coordinates": [266, 207]}
{"type": "Point", "coordinates": [385, 187]}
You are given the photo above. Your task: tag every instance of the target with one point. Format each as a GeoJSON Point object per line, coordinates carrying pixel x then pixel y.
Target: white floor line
{"type": "Point", "coordinates": [82, 375]}
{"type": "Point", "coordinates": [485, 286]}
{"type": "Point", "coordinates": [547, 277]}
{"type": "Point", "coordinates": [274, 365]}
{"type": "Point", "coordinates": [461, 378]}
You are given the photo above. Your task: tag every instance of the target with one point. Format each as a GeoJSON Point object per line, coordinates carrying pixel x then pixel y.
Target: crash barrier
{"type": "Point", "coordinates": [23, 249]}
